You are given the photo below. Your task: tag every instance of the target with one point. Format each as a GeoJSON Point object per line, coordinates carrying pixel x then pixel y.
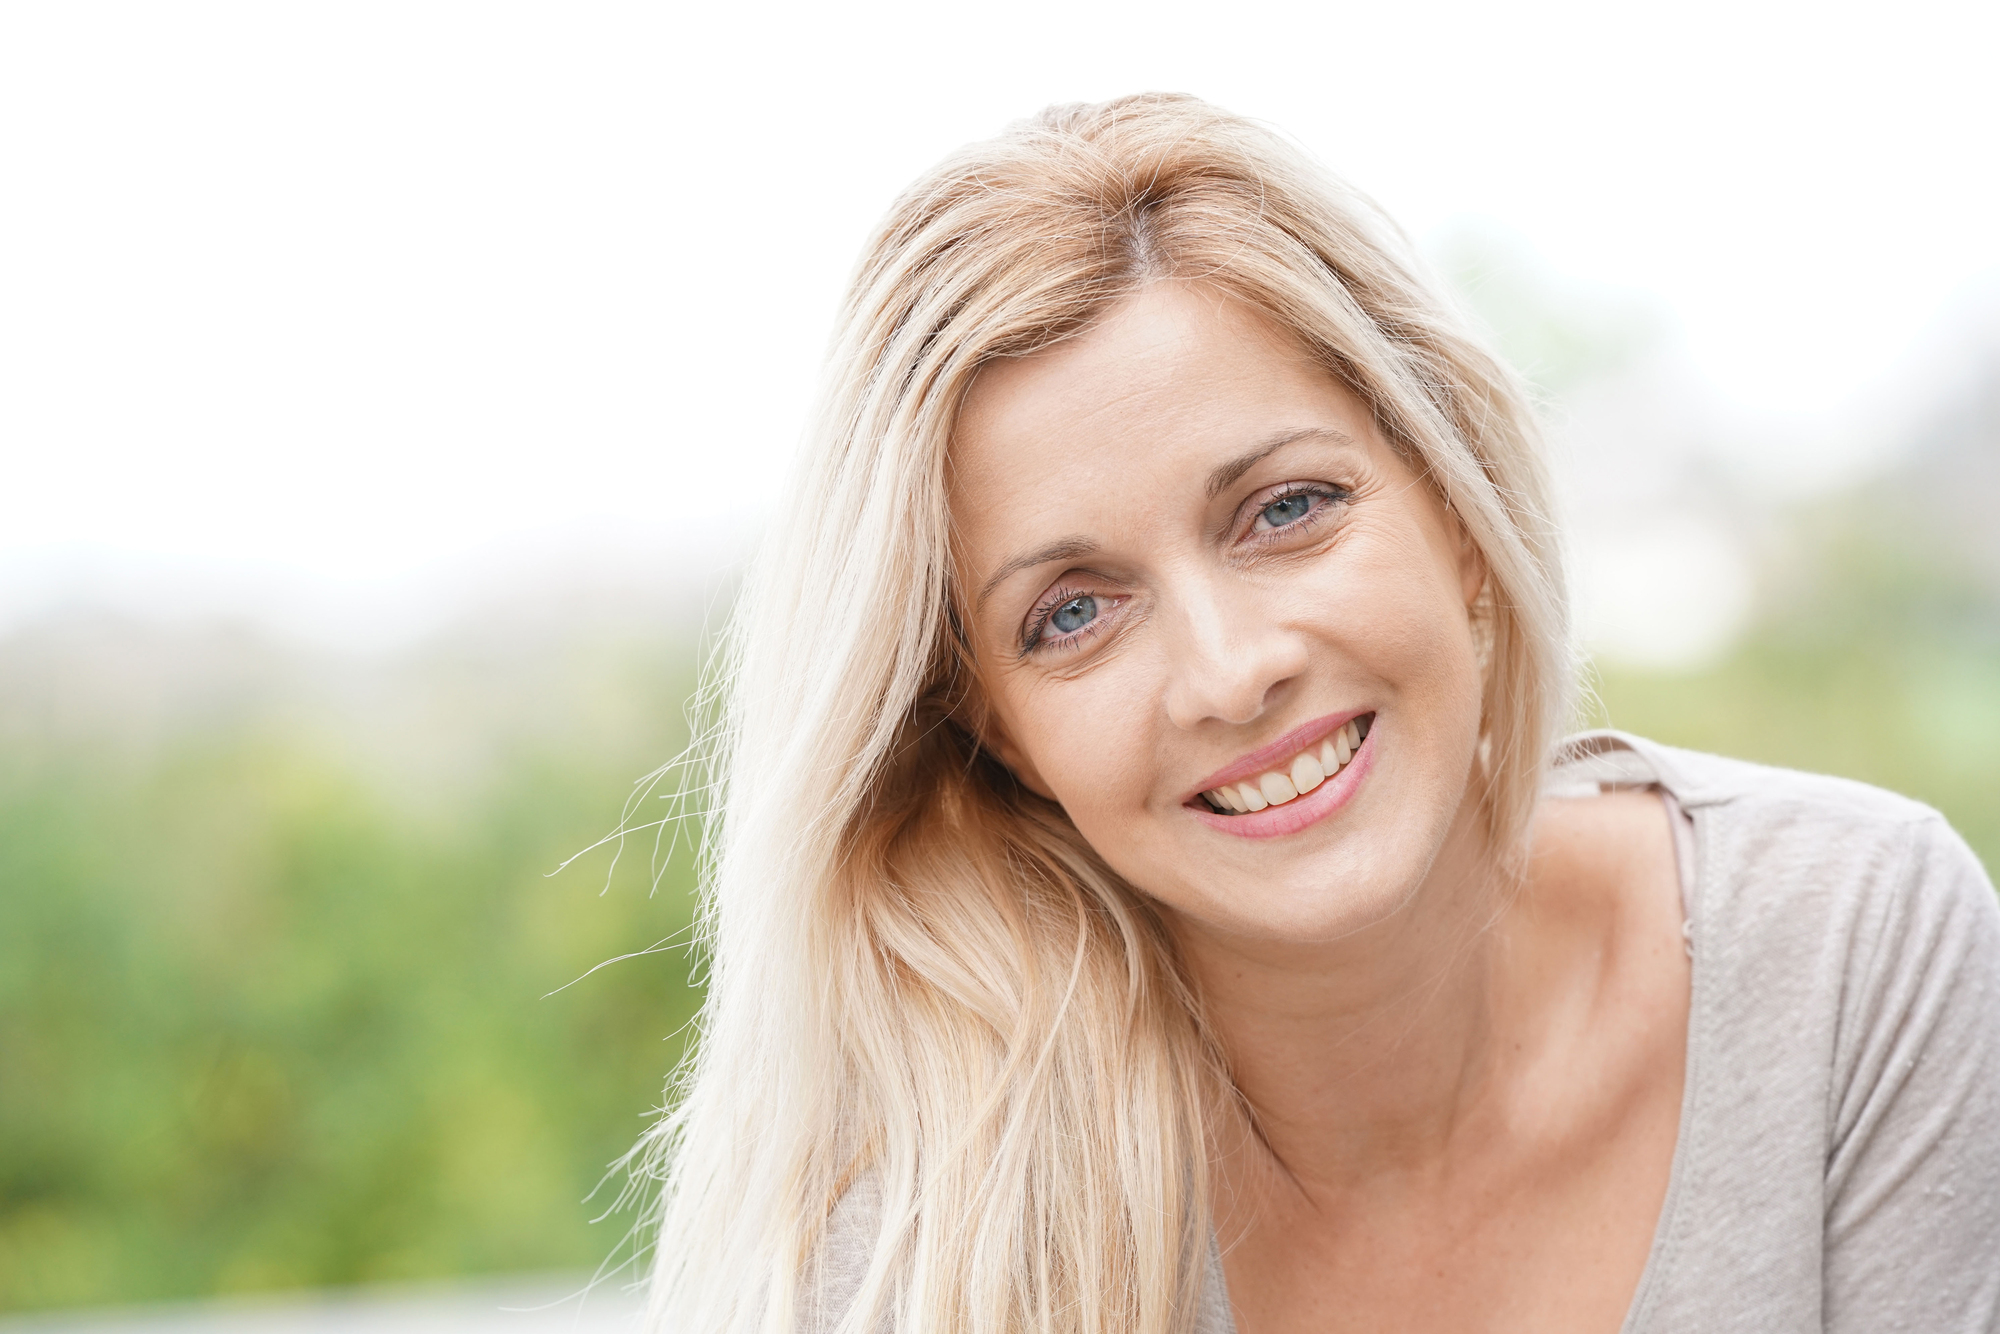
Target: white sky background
{"type": "Point", "coordinates": [332, 311]}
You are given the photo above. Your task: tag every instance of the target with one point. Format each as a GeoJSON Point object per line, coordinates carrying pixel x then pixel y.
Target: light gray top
{"type": "Point", "coordinates": [1838, 1166]}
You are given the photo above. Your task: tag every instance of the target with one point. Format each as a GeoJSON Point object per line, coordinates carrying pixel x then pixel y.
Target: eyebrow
{"type": "Point", "coordinates": [1066, 548]}
{"type": "Point", "coordinates": [1228, 472]}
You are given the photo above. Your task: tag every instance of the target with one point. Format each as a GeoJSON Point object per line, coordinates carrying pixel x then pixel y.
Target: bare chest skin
{"type": "Point", "coordinates": [1536, 1210]}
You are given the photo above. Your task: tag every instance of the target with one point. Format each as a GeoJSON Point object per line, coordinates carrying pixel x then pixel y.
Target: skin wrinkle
{"type": "Point", "coordinates": [1219, 480]}
{"type": "Point", "coordinates": [1062, 549]}
{"type": "Point", "coordinates": [1445, 1066]}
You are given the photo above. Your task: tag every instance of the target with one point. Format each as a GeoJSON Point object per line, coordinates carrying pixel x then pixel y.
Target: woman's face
{"type": "Point", "coordinates": [1191, 562]}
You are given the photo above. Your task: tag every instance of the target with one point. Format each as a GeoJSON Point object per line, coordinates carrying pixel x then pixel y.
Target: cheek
{"type": "Point", "coordinates": [1419, 644]}
{"type": "Point", "coordinates": [1384, 625]}
{"type": "Point", "coordinates": [1089, 740]}
{"type": "Point", "coordinates": [1430, 658]}
{"type": "Point", "coordinates": [1405, 610]}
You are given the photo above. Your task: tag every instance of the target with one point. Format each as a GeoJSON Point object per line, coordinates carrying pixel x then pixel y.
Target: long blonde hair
{"type": "Point", "coordinates": [918, 970]}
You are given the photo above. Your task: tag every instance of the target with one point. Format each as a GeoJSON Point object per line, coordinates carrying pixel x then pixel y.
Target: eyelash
{"type": "Point", "coordinates": [1333, 495]}
{"type": "Point", "coordinates": [1032, 641]}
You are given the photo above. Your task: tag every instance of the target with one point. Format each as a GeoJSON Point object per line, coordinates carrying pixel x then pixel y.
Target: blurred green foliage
{"type": "Point", "coordinates": [1877, 657]}
{"type": "Point", "coordinates": [274, 1004]}
{"type": "Point", "coordinates": [1874, 651]}
{"type": "Point", "coordinates": [1924, 723]}
{"type": "Point", "coordinates": [276, 954]}
{"type": "Point", "coordinates": [273, 998]}
{"type": "Point", "coordinates": [277, 942]}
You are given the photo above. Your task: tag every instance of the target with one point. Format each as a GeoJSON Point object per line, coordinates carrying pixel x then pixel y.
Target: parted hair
{"type": "Point", "coordinates": [919, 974]}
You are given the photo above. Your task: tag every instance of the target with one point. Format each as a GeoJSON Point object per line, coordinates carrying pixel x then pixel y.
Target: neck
{"type": "Point", "coordinates": [1366, 1053]}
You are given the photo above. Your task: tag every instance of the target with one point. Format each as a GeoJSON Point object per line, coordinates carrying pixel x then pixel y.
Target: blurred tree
{"type": "Point", "coordinates": [274, 989]}
{"type": "Point", "coordinates": [1876, 651]}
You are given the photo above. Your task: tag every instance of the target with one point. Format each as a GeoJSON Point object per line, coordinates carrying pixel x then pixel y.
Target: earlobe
{"type": "Point", "coordinates": [972, 713]}
{"type": "Point", "coordinates": [1471, 565]}
{"type": "Point", "coordinates": [1018, 764]}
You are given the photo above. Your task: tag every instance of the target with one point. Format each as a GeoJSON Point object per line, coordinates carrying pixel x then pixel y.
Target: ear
{"type": "Point", "coordinates": [994, 738]}
{"type": "Point", "coordinates": [1471, 563]}
{"type": "Point", "coordinates": [971, 711]}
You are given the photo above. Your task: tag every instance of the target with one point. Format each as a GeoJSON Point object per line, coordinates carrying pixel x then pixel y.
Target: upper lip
{"type": "Point", "coordinates": [1269, 756]}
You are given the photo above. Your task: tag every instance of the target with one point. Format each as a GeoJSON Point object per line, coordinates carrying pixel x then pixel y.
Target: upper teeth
{"type": "Point", "coordinates": [1307, 771]}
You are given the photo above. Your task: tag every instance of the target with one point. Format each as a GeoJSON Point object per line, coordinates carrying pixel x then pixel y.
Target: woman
{"type": "Point", "coordinates": [1149, 893]}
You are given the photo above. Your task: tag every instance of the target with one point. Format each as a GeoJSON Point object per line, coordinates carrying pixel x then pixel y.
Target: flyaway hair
{"type": "Point", "coordinates": [920, 975]}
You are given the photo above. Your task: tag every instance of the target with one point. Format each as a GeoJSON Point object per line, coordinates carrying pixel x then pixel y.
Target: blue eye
{"type": "Point", "coordinates": [1074, 614]}
{"type": "Point", "coordinates": [1287, 509]}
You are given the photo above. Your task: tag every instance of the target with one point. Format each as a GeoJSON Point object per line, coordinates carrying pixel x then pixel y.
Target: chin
{"type": "Point", "coordinates": [1319, 915]}
{"type": "Point", "coordinates": [1353, 870]}
{"type": "Point", "coordinates": [1328, 898]}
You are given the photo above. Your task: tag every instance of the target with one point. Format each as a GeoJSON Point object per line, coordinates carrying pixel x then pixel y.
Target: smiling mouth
{"type": "Point", "coordinates": [1306, 771]}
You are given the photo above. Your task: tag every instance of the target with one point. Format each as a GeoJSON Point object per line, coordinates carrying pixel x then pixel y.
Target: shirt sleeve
{"type": "Point", "coordinates": [839, 1266]}
{"type": "Point", "coordinates": [1913, 1168]}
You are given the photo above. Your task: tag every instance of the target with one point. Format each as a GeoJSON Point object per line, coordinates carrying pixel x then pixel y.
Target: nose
{"type": "Point", "coordinates": [1231, 658]}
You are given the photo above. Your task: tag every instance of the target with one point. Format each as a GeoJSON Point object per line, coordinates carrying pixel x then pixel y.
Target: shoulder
{"type": "Point", "coordinates": [1784, 839]}
{"type": "Point", "coordinates": [1843, 1059]}
{"type": "Point", "coordinates": [837, 1275]}
{"type": "Point", "coordinates": [1698, 779]}
{"type": "Point", "coordinates": [1815, 895]}
{"type": "Point", "coordinates": [1857, 922]}
{"type": "Point", "coordinates": [840, 1263]}
{"type": "Point", "coordinates": [1784, 831]}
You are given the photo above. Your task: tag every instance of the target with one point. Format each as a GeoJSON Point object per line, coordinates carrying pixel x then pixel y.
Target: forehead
{"type": "Point", "coordinates": [1168, 382]}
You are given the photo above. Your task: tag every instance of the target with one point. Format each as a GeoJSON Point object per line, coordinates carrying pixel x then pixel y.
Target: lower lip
{"type": "Point", "coordinates": [1296, 814]}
